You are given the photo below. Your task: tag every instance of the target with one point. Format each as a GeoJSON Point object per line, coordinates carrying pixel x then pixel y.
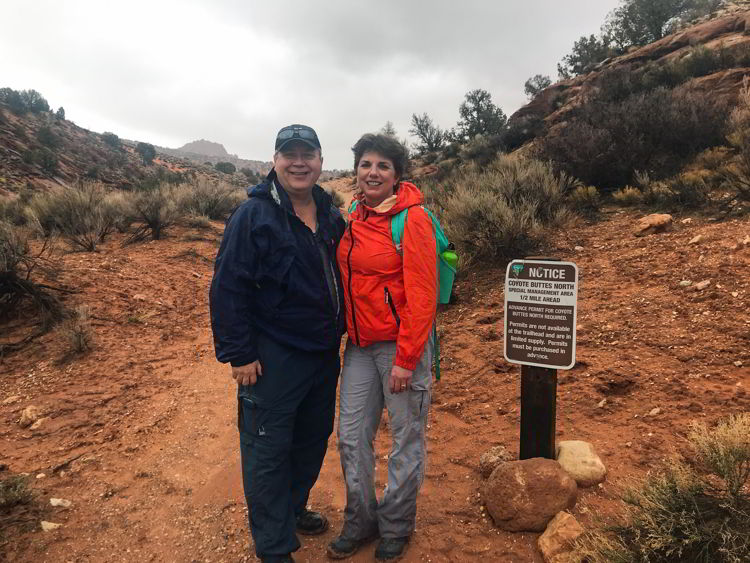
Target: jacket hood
{"type": "Point", "coordinates": [406, 195]}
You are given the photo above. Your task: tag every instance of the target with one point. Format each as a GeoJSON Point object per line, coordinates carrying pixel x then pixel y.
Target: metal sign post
{"type": "Point", "coordinates": [540, 334]}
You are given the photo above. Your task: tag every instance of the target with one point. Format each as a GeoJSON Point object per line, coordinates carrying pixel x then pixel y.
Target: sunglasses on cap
{"type": "Point", "coordinates": [297, 132]}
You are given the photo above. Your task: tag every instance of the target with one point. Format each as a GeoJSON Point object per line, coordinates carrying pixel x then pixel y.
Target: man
{"type": "Point", "coordinates": [277, 317]}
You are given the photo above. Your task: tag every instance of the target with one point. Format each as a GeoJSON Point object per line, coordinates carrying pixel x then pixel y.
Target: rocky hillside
{"type": "Point", "coordinates": [722, 44]}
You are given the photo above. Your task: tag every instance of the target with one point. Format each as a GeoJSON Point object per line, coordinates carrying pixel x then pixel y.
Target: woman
{"type": "Point", "coordinates": [391, 299]}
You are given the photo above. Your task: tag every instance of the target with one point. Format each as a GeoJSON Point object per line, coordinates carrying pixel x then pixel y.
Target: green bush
{"type": "Point", "coordinates": [112, 140]}
{"type": "Point", "coordinates": [737, 172]}
{"type": "Point", "coordinates": [156, 209]}
{"type": "Point", "coordinates": [226, 167]}
{"type": "Point", "coordinates": [498, 211]}
{"type": "Point", "coordinates": [214, 200]}
{"type": "Point", "coordinates": [146, 151]}
{"type": "Point", "coordinates": [81, 214]}
{"type": "Point", "coordinates": [695, 511]}
{"type": "Point", "coordinates": [47, 137]}
{"type": "Point", "coordinates": [585, 199]}
{"type": "Point", "coordinates": [628, 196]}
{"type": "Point", "coordinates": [482, 149]}
{"type": "Point", "coordinates": [338, 199]}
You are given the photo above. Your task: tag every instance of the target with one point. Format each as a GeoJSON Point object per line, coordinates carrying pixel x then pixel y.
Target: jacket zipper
{"type": "Point", "coordinates": [349, 283]}
{"type": "Point", "coordinates": [389, 302]}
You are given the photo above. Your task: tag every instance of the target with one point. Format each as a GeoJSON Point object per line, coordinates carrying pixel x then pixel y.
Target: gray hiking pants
{"type": "Point", "coordinates": [364, 391]}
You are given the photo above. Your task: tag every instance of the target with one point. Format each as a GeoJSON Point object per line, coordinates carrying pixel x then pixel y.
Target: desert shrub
{"type": "Point", "coordinates": [81, 214]}
{"type": "Point", "coordinates": [658, 131]}
{"type": "Point", "coordinates": [226, 167]}
{"type": "Point", "coordinates": [701, 61]}
{"type": "Point", "coordinates": [690, 190]}
{"type": "Point", "coordinates": [214, 200]}
{"type": "Point", "coordinates": [497, 211]}
{"type": "Point", "coordinates": [77, 331]}
{"type": "Point", "coordinates": [628, 196]}
{"type": "Point", "coordinates": [17, 287]}
{"type": "Point", "coordinates": [695, 511]}
{"type": "Point", "coordinates": [737, 172]}
{"type": "Point", "coordinates": [112, 140]}
{"type": "Point", "coordinates": [338, 199]}
{"type": "Point", "coordinates": [155, 209]}
{"type": "Point", "coordinates": [479, 116]}
{"type": "Point", "coordinates": [522, 130]}
{"type": "Point", "coordinates": [585, 199]}
{"type": "Point", "coordinates": [197, 221]}
{"type": "Point", "coordinates": [44, 158]}
{"type": "Point", "coordinates": [47, 137]}
{"type": "Point", "coordinates": [482, 149]}
{"type": "Point", "coordinates": [146, 151]}
{"type": "Point", "coordinates": [14, 491]}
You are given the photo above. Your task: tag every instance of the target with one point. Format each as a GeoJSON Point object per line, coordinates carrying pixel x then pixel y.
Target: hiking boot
{"type": "Point", "coordinates": [342, 547]}
{"type": "Point", "coordinates": [278, 559]}
{"type": "Point", "coordinates": [391, 549]}
{"type": "Point", "coordinates": [311, 523]}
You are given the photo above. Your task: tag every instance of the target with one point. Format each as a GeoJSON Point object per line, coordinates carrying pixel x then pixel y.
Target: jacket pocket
{"type": "Point", "coordinates": [391, 306]}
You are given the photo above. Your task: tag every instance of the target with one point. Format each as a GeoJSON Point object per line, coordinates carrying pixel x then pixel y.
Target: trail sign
{"type": "Point", "coordinates": [540, 313]}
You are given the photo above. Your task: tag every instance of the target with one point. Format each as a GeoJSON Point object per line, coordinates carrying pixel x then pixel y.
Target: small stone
{"type": "Point", "coordinates": [196, 275]}
{"type": "Point", "coordinates": [735, 294]}
{"type": "Point", "coordinates": [12, 399]}
{"type": "Point", "coordinates": [64, 503]}
{"type": "Point", "coordinates": [696, 239]}
{"type": "Point", "coordinates": [38, 424]}
{"type": "Point", "coordinates": [578, 248]}
{"type": "Point", "coordinates": [746, 241]}
{"type": "Point", "coordinates": [492, 458]}
{"type": "Point", "coordinates": [602, 403]}
{"type": "Point", "coordinates": [687, 221]}
{"type": "Point", "coordinates": [139, 297]}
{"type": "Point", "coordinates": [654, 223]}
{"type": "Point", "coordinates": [700, 286]}
{"type": "Point", "coordinates": [686, 283]}
{"type": "Point", "coordinates": [654, 412]}
{"type": "Point", "coordinates": [41, 475]}
{"type": "Point", "coordinates": [558, 540]}
{"type": "Point", "coordinates": [49, 526]}
{"type": "Point", "coordinates": [738, 363]}
{"type": "Point", "coordinates": [29, 416]}
{"type": "Point", "coordinates": [580, 461]}
{"type": "Point", "coordinates": [628, 444]}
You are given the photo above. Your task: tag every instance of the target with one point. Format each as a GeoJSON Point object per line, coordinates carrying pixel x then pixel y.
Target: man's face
{"type": "Point", "coordinates": [298, 167]}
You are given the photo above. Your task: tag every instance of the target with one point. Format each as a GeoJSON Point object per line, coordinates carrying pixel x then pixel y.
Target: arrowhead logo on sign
{"type": "Point", "coordinates": [517, 269]}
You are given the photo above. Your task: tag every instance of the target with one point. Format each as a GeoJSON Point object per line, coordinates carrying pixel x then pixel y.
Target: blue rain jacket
{"type": "Point", "coordinates": [269, 277]}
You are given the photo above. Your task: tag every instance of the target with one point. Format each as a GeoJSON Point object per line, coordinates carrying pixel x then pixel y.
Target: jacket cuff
{"type": "Point", "coordinates": [406, 363]}
{"type": "Point", "coordinates": [241, 362]}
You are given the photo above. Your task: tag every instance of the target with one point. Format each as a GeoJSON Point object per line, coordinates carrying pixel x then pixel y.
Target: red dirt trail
{"type": "Point", "coordinates": [147, 420]}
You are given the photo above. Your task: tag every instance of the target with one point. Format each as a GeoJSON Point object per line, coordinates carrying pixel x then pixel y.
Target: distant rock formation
{"type": "Point", "coordinates": [208, 148]}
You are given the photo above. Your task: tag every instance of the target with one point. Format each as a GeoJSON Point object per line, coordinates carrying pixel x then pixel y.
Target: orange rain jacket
{"type": "Point", "coordinates": [390, 295]}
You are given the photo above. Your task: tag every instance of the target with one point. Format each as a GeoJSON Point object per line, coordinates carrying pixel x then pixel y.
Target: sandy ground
{"type": "Point", "coordinates": [141, 432]}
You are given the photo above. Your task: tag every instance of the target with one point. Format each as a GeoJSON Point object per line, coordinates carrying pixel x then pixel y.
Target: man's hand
{"type": "Point", "coordinates": [247, 374]}
{"type": "Point", "coordinates": [400, 379]}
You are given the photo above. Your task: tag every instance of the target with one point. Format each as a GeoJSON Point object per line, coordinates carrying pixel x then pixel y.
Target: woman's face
{"type": "Point", "coordinates": [376, 177]}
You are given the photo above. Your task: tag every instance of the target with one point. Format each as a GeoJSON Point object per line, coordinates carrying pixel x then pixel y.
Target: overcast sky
{"type": "Point", "coordinates": [235, 71]}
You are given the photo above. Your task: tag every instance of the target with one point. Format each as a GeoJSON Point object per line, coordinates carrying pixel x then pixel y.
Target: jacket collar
{"type": "Point", "coordinates": [271, 189]}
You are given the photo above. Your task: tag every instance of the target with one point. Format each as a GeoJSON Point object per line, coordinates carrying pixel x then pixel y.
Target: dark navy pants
{"type": "Point", "coordinates": [285, 420]}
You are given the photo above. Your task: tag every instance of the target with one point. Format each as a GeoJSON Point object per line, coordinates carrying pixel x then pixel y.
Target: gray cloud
{"type": "Point", "coordinates": [235, 71]}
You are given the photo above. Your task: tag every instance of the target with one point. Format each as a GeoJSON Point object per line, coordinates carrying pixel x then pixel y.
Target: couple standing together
{"type": "Point", "coordinates": [291, 277]}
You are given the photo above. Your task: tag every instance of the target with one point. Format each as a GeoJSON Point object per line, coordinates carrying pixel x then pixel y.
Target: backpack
{"type": "Point", "coordinates": [447, 262]}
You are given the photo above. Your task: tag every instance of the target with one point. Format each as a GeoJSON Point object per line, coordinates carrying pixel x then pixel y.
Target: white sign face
{"type": "Point", "coordinates": [541, 301]}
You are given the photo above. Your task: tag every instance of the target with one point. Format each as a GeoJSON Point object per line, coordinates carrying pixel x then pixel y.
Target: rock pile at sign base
{"type": "Point", "coordinates": [654, 223]}
{"type": "Point", "coordinates": [556, 543]}
{"type": "Point", "coordinates": [523, 496]}
{"type": "Point", "coordinates": [580, 461]}
{"type": "Point", "coordinates": [492, 458]}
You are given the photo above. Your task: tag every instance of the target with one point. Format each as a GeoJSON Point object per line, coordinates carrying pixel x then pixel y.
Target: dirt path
{"type": "Point", "coordinates": [146, 421]}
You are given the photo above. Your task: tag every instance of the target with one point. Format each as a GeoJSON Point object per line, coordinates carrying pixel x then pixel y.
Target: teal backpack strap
{"type": "Point", "coordinates": [353, 206]}
{"type": "Point", "coordinates": [398, 224]}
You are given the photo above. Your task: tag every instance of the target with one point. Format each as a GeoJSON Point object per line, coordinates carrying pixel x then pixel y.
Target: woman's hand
{"type": "Point", "coordinates": [400, 379]}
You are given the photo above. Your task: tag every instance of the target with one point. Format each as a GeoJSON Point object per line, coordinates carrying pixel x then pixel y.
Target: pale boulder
{"type": "Point", "coordinates": [580, 461]}
{"type": "Point", "coordinates": [523, 496]}
{"type": "Point", "coordinates": [654, 223]}
{"type": "Point", "coordinates": [557, 541]}
{"type": "Point", "coordinates": [29, 416]}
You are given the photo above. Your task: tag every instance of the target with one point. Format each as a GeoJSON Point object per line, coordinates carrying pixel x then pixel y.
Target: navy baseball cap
{"type": "Point", "coordinates": [297, 132]}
